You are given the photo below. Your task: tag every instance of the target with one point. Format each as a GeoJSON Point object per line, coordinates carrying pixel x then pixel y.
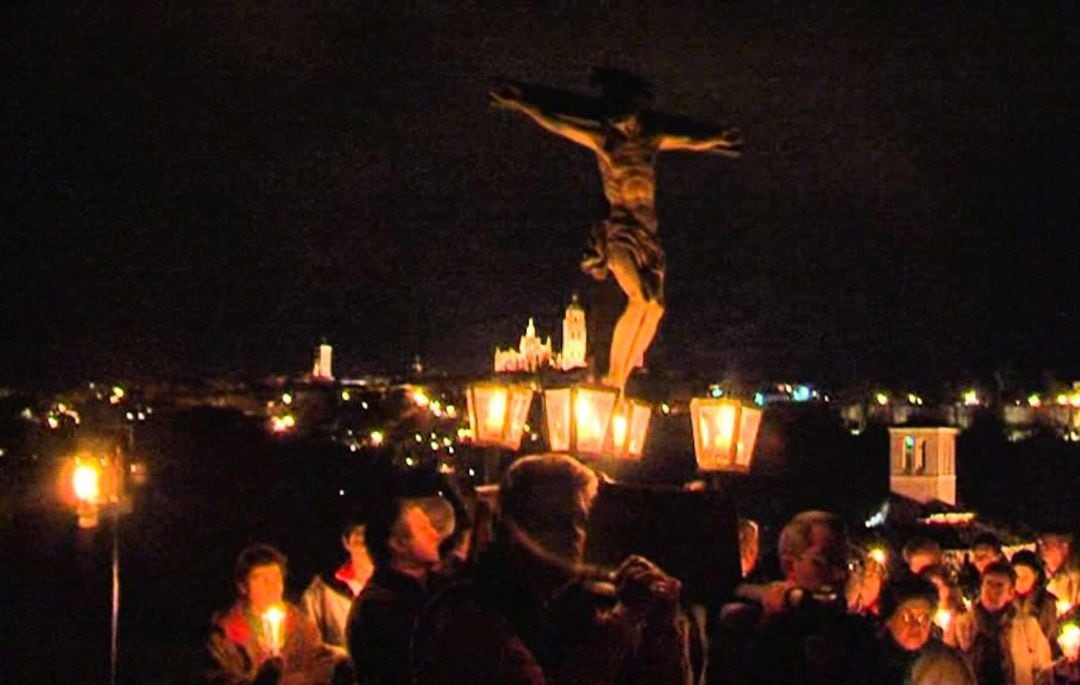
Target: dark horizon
{"type": "Point", "coordinates": [207, 191]}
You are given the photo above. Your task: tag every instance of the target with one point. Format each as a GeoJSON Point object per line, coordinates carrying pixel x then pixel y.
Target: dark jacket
{"type": "Point", "coordinates": [491, 629]}
{"type": "Point", "coordinates": [813, 643]}
{"type": "Point", "coordinates": [381, 624]}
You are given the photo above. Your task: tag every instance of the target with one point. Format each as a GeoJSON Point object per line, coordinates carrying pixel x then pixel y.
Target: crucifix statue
{"type": "Point", "coordinates": [627, 140]}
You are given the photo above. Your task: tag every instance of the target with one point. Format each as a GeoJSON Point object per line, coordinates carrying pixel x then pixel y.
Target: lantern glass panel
{"type": "Point", "coordinates": [557, 412]}
{"type": "Point", "coordinates": [744, 451]}
{"type": "Point", "coordinates": [520, 399]}
{"type": "Point", "coordinates": [639, 429]}
{"type": "Point", "coordinates": [592, 415]}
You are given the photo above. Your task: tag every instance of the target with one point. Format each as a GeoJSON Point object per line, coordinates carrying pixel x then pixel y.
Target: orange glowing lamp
{"type": "Point", "coordinates": [498, 413]}
{"type": "Point", "coordinates": [725, 431]}
{"type": "Point", "coordinates": [578, 419]}
{"type": "Point", "coordinates": [629, 429]}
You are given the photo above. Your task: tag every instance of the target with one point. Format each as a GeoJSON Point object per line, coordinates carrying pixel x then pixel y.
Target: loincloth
{"type": "Point", "coordinates": [637, 240]}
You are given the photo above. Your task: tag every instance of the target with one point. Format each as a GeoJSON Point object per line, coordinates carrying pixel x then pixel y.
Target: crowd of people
{"type": "Point", "coordinates": [462, 590]}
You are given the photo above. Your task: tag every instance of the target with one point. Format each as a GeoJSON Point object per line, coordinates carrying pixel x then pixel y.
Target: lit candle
{"type": "Point", "coordinates": [274, 628]}
{"type": "Point", "coordinates": [1069, 639]}
{"type": "Point", "coordinates": [878, 554]}
{"type": "Point", "coordinates": [1064, 606]}
{"type": "Point", "coordinates": [943, 618]}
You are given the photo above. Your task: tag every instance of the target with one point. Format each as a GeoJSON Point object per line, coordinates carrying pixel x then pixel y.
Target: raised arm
{"type": "Point", "coordinates": [727, 143]}
{"type": "Point", "coordinates": [581, 131]}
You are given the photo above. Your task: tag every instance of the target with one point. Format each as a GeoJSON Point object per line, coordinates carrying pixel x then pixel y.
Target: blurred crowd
{"type": "Point", "coordinates": [494, 587]}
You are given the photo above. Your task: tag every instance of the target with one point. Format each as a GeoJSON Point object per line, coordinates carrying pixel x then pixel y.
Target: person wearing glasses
{"type": "Point", "coordinates": [907, 609]}
{"type": "Point", "coordinates": [809, 636]}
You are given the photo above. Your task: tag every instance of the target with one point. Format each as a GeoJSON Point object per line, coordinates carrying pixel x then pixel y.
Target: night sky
{"type": "Point", "coordinates": [196, 189]}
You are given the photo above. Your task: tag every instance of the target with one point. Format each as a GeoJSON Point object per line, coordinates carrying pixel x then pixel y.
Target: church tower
{"type": "Point", "coordinates": [573, 335]}
{"type": "Point", "coordinates": [922, 463]}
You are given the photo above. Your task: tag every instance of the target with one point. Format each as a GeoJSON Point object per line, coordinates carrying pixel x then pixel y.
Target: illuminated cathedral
{"type": "Point", "coordinates": [534, 354]}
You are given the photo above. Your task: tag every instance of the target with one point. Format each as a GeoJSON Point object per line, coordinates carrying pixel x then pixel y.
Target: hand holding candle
{"type": "Point", "coordinates": [274, 629]}
{"type": "Point", "coordinates": [943, 618]}
{"type": "Point", "coordinates": [1069, 639]}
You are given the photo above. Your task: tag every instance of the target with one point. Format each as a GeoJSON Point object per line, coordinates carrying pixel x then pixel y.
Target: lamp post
{"type": "Point", "coordinates": [497, 414]}
{"type": "Point", "coordinates": [725, 432]}
{"type": "Point", "coordinates": [89, 481]}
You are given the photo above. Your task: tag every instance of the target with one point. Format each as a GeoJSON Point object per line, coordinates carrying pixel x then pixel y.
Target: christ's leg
{"type": "Point", "coordinates": [636, 327]}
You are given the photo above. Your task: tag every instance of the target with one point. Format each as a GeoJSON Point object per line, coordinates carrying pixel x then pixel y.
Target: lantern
{"type": "Point", "coordinates": [725, 431]}
{"type": "Point", "coordinates": [629, 428]}
{"type": "Point", "coordinates": [498, 413]}
{"type": "Point", "coordinates": [578, 418]}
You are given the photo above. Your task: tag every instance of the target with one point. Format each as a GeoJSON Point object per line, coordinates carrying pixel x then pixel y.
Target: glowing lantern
{"type": "Point", "coordinates": [724, 434]}
{"type": "Point", "coordinates": [629, 428]}
{"type": "Point", "coordinates": [498, 413]}
{"type": "Point", "coordinates": [578, 419]}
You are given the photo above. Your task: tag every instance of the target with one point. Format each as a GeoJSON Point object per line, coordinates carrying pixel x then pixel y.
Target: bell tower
{"type": "Point", "coordinates": [922, 463]}
{"type": "Point", "coordinates": [573, 332]}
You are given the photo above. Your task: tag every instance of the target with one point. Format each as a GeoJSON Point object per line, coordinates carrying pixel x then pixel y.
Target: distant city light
{"type": "Point", "coordinates": [346, 395]}
{"type": "Point", "coordinates": [716, 391]}
{"type": "Point", "coordinates": [881, 398]}
{"type": "Point", "coordinates": [282, 424]}
{"type": "Point", "coordinates": [409, 461]}
{"type": "Point", "coordinates": [286, 398]}
{"type": "Point", "coordinates": [759, 398]}
{"type": "Point", "coordinates": [801, 393]}
{"type": "Point", "coordinates": [1034, 401]}
{"type": "Point", "coordinates": [376, 438]}
{"type": "Point", "coordinates": [912, 398]}
{"type": "Point", "coordinates": [420, 398]}
{"type": "Point", "coordinates": [665, 408]}
{"type": "Point", "coordinates": [971, 398]}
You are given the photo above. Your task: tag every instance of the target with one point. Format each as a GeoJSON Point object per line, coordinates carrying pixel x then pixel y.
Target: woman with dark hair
{"type": "Point", "coordinates": [1032, 597]}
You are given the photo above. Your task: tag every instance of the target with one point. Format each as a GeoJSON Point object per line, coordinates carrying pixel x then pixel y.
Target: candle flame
{"type": "Point", "coordinates": [1069, 639]}
{"type": "Point", "coordinates": [274, 619]}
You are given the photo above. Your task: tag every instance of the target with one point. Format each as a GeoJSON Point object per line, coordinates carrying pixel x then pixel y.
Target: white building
{"type": "Point", "coordinates": [533, 354]}
{"type": "Point", "coordinates": [922, 463]}
{"type": "Point", "coordinates": [323, 369]}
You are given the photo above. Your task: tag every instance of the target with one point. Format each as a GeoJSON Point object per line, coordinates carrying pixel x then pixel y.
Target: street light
{"type": "Point", "coordinates": [725, 431]}
{"type": "Point", "coordinates": [579, 417]}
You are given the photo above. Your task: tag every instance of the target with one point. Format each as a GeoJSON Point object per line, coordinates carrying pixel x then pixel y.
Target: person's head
{"type": "Point", "coordinates": [441, 514]}
{"type": "Point", "coordinates": [624, 95]}
{"type": "Point", "coordinates": [548, 497]}
{"type": "Point", "coordinates": [259, 573]}
{"type": "Point", "coordinates": [920, 553]}
{"type": "Point", "coordinates": [985, 550]}
{"type": "Point", "coordinates": [399, 535]}
{"type": "Point", "coordinates": [1055, 548]}
{"type": "Point", "coordinates": [939, 576]}
{"type": "Point", "coordinates": [352, 540]}
{"type": "Point", "coordinates": [868, 576]}
{"type": "Point", "coordinates": [998, 586]}
{"type": "Point", "coordinates": [908, 607]}
{"type": "Point", "coordinates": [1029, 572]}
{"type": "Point", "coordinates": [748, 545]}
{"type": "Point", "coordinates": [813, 551]}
